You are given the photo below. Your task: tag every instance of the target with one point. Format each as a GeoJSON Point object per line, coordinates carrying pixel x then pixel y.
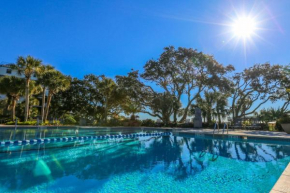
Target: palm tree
{"type": "Point", "coordinates": [27, 67]}
{"type": "Point", "coordinates": [44, 82]}
{"type": "Point", "coordinates": [131, 107]}
{"type": "Point", "coordinates": [206, 104]}
{"type": "Point", "coordinates": [107, 87]}
{"type": "Point", "coordinates": [271, 114]}
{"type": "Point", "coordinates": [56, 82]}
{"type": "Point", "coordinates": [14, 88]}
{"type": "Point", "coordinates": [221, 106]}
{"type": "Point", "coordinates": [34, 89]}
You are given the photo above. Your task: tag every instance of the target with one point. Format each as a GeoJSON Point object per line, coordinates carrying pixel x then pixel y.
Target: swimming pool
{"type": "Point", "coordinates": [143, 164]}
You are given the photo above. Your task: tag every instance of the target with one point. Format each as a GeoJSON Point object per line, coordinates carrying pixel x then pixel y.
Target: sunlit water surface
{"type": "Point", "coordinates": [145, 164]}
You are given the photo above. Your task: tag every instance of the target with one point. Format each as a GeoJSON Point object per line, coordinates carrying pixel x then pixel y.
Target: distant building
{"type": "Point", "coordinates": [6, 70]}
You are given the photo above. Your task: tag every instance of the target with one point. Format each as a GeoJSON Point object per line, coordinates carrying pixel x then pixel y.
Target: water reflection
{"type": "Point", "coordinates": [28, 166]}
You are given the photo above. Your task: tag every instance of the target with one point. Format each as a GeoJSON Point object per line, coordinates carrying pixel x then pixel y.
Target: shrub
{"type": "Point", "coordinates": [69, 120]}
{"type": "Point", "coordinates": [148, 123]}
{"type": "Point", "coordinates": [284, 119]}
{"type": "Point", "coordinates": [278, 126]}
{"type": "Point", "coordinates": [185, 125]}
{"type": "Point", "coordinates": [22, 123]}
{"type": "Point", "coordinates": [263, 126]}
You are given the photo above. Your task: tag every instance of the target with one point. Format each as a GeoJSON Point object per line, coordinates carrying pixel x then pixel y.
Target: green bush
{"type": "Point", "coordinates": [69, 120]}
{"type": "Point", "coordinates": [22, 123]}
{"type": "Point", "coordinates": [148, 123]}
{"type": "Point", "coordinates": [278, 126]}
{"type": "Point", "coordinates": [284, 119]}
{"type": "Point", "coordinates": [185, 125]}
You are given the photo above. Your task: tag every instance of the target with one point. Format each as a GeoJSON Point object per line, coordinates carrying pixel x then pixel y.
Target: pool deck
{"type": "Point", "coordinates": [283, 183]}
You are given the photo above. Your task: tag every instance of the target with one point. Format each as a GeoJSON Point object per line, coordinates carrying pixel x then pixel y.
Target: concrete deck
{"type": "Point", "coordinates": [283, 183]}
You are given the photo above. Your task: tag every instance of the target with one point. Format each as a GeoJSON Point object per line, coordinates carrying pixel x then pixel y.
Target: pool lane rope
{"type": "Point", "coordinates": [83, 138]}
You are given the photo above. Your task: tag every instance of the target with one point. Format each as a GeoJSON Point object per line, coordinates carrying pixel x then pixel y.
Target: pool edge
{"type": "Point", "coordinates": [283, 185]}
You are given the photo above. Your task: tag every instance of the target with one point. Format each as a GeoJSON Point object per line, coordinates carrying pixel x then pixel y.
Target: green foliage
{"type": "Point", "coordinates": [185, 125]}
{"type": "Point", "coordinates": [256, 86]}
{"type": "Point", "coordinates": [270, 114]}
{"type": "Point", "coordinates": [13, 87]}
{"type": "Point", "coordinates": [95, 98]}
{"type": "Point", "coordinates": [55, 83]}
{"type": "Point", "coordinates": [177, 74]}
{"type": "Point", "coordinates": [186, 72]}
{"type": "Point", "coordinates": [162, 106]}
{"type": "Point", "coordinates": [132, 123]}
{"type": "Point", "coordinates": [69, 120]}
{"type": "Point", "coordinates": [148, 123]}
{"type": "Point", "coordinates": [284, 119]}
{"type": "Point", "coordinates": [22, 123]}
{"type": "Point", "coordinates": [27, 66]}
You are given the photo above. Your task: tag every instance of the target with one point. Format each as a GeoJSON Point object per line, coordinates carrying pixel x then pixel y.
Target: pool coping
{"type": "Point", "coordinates": [283, 183]}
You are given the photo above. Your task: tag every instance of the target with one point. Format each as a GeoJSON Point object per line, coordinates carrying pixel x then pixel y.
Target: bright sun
{"type": "Point", "coordinates": [244, 27]}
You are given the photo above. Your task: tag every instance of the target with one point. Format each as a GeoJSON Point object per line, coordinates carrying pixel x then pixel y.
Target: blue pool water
{"type": "Point", "coordinates": [143, 164]}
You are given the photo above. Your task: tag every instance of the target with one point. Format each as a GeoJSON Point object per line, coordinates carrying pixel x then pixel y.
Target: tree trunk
{"type": "Point", "coordinates": [208, 117]}
{"type": "Point", "coordinates": [7, 108]}
{"type": "Point", "coordinates": [43, 104]}
{"type": "Point", "coordinates": [47, 106]}
{"type": "Point", "coordinates": [13, 108]}
{"type": "Point", "coordinates": [26, 99]}
{"type": "Point", "coordinates": [106, 110]}
{"type": "Point", "coordinates": [219, 115]}
{"type": "Point", "coordinates": [184, 115]}
{"type": "Point", "coordinates": [175, 116]}
{"type": "Point", "coordinates": [165, 120]}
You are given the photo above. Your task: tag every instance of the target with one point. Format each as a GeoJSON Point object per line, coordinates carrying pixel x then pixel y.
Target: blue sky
{"type": "Point", "coordinates": [112, 37]}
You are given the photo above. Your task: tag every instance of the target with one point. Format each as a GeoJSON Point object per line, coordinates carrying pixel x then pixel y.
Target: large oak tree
{"type": "Point", "coordinates": [186, 72]}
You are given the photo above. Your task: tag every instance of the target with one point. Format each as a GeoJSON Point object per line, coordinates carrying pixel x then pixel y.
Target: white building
{"type": "Point", "coordinates": [5, 70]}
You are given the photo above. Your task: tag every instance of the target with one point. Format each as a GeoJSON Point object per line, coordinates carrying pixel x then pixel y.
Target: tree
{"type": "Point", "coordinates": [108, 89]}
{"type": "Point", "coordinates": [14, 88]}
{"type": "Point", "coordinates": [206, 104]}
{"type": "Point", "coordinates": [285, 88]}
{"type": "Point", "coordinates": [56, 82]}
{"type": "Point", "coordinates": [80, 99]}
{"type": "Point", "coordinates": [44, 82]}
{"type": "Point", "coordinates": [254, 87]}
{"type": "Point", "coordinates": [162, 106]}
{"type": "Point", "coordinates": [270, 114]}
{"type": "Point", "coordinates": [130, 107]}
{"type": "Point", "coordinates": [221, 110]}
{"type": "Point", "coordinates": [186, 72]}
{"type": "Point", "coordinates": [110, 97]}
{"type": "Point", "coordinates": [203, 111]}
{"type": "Point", "coordinates": [145, 99]}
{"type": "Point", "coordinates": [27, 67]}
{"type": "Point", "coordinates": [3, 104]}
{"type": "Point", "coordinates": [133, 90]}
